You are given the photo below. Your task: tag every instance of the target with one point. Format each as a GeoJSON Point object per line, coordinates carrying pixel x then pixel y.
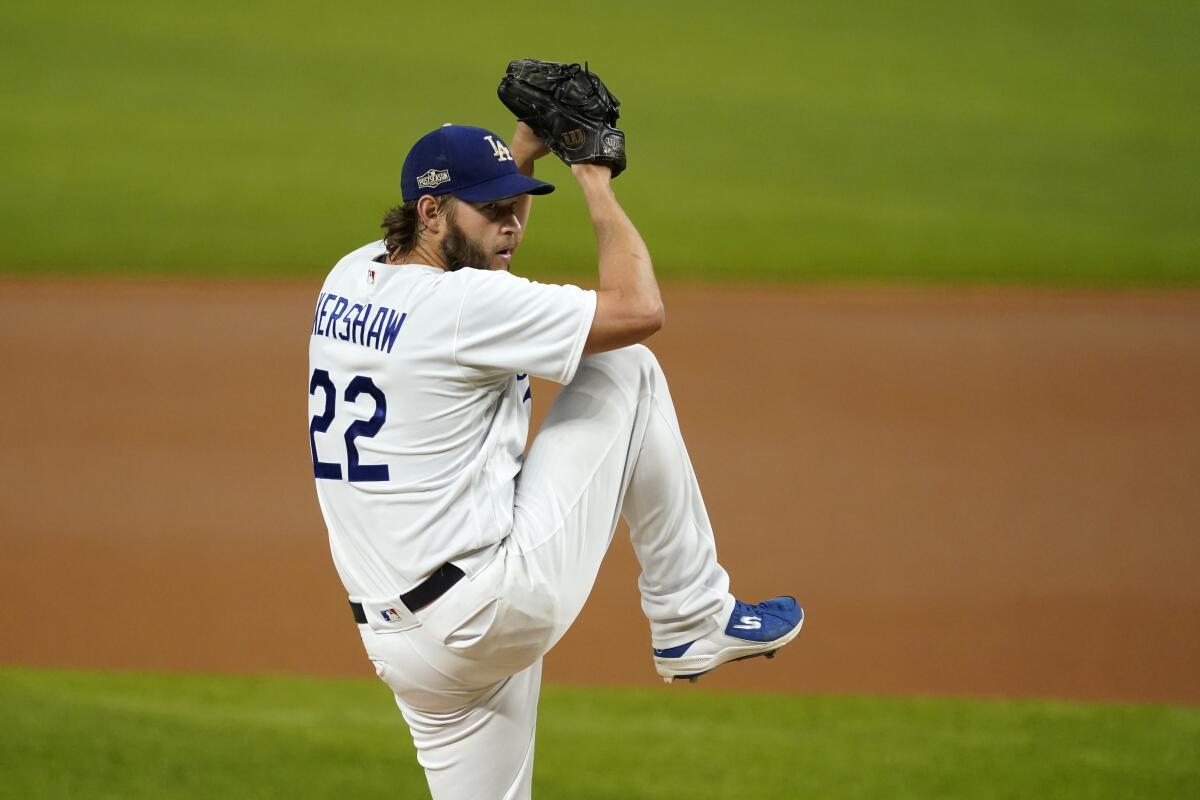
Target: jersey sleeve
{"type": "Point", "coordinates": [508, 324]}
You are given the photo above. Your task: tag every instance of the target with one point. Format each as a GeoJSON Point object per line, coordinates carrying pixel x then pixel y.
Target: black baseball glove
{"type": "Point", "coordinates": [569, 108]}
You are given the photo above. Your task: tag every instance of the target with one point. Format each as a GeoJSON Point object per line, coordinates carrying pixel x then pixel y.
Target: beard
{"type": "Point", "coordinates": [459, 251]}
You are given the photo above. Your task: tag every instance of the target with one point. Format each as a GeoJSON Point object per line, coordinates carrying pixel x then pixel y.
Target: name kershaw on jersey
{"type": "Point", "coordinates": [368, 325]}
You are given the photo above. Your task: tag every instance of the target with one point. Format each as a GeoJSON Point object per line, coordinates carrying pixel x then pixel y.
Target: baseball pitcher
{"type": "Point", "coordinates": [464, 561]}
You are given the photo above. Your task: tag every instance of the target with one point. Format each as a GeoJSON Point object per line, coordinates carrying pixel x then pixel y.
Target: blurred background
{"type": "Point", "coordinates": [932, 275]}
{"type": "Point", "coordinates": [923, 141]}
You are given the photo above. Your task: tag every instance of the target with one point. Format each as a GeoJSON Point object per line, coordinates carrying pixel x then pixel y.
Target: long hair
{"type": "Point", "coordinates": [403, 225]}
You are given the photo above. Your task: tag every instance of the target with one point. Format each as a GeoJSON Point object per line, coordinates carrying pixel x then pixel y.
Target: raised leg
{"type": "Point", "coordinates": [612, 445]}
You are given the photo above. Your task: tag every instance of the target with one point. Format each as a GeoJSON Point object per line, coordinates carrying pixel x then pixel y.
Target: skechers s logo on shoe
{"type": "Point", "coordinates": [750, 624]}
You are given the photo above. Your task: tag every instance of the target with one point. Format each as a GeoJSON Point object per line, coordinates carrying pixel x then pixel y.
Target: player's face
{"type": "Point", "coordinates": [482, 235]}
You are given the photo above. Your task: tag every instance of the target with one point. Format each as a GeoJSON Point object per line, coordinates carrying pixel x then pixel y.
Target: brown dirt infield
{"type": "Point", "coordinates": [973, 492]}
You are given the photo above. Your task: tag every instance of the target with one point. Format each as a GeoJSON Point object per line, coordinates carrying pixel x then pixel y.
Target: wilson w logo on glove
{"type": "Point", "coordinates": [569, 108]}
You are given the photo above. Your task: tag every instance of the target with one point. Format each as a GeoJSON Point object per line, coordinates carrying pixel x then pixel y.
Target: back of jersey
{"type": "Point", "coordinates": [419, 408]}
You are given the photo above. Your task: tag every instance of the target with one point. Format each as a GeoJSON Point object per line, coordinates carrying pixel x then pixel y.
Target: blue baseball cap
{"type": "Point", "coordinates": [470, 163]}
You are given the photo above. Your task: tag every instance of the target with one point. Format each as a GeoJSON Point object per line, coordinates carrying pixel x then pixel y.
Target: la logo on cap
{"type": "Point", "coordinates": [499, 149]}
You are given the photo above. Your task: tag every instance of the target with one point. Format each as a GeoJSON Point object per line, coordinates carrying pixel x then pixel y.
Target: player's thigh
{"type": "Point", "coordinates": [484, 749]}
{"type": "Point", "coordinates": [577, 465]}
{"type": "Point", "coordinates": [571, 488]}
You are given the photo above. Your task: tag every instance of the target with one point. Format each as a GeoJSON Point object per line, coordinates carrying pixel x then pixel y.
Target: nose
{"type": "Point", "coordinates": [511, 224]}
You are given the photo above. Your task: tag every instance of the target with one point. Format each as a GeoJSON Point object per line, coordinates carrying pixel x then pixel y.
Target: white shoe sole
{"type": "Point", "coordinates": [692, 667]}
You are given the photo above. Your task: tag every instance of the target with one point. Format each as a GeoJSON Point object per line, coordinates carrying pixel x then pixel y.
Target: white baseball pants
{"type": "Point", "coordinates": [467, 679]}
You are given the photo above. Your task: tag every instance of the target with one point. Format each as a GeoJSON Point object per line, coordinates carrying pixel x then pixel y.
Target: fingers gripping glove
{"type": "Point", "coordinates": [569, 108]}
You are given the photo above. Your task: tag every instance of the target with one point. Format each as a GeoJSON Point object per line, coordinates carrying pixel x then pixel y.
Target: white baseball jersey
{"type": "Point", "coordinates": [419, 406]}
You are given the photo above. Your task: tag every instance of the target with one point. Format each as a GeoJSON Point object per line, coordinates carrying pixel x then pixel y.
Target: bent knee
{"type": "Point", "coordinates": [634, 357]}
{"type": "Point", "coordinates": [634, 367]}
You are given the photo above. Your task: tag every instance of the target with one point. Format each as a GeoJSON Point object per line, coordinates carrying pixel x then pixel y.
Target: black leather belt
{"type": "Point", "coordinates": [425, 593]}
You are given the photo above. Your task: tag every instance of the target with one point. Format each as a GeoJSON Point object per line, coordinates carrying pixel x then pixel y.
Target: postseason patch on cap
{"type": "Point", "coordinates": [433, 178]}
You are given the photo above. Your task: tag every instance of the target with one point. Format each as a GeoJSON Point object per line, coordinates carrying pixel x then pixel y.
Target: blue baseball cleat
{"type": "Point", "coordinates": [753, 630]}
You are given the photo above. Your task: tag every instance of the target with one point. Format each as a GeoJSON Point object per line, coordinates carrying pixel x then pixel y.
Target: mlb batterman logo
{"type": "Point", "coordinates": [433, 178]}
{"type": "Point", "coordinates": [389, 614]}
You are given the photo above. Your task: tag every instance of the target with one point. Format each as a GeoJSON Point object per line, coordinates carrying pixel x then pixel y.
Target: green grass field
{"type": "Point", "coordinates": [1034, 141]}
{"type": "Point", "coordinates": [120, 735]}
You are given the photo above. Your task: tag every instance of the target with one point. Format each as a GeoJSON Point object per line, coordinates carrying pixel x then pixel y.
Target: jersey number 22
{"type": "Point", "coordinates": [365, 428]}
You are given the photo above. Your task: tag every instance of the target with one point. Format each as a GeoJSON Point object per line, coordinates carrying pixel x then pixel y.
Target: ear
{"type": "Point", "coordinates": [429, 213]}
